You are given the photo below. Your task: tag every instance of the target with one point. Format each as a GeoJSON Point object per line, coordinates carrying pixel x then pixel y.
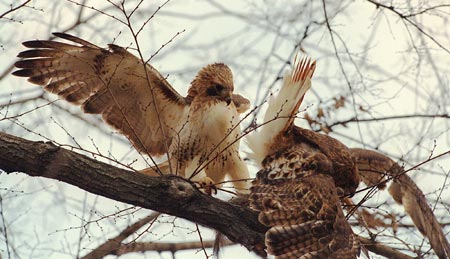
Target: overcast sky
{"type": "Point", "coordinates": [390, 68]}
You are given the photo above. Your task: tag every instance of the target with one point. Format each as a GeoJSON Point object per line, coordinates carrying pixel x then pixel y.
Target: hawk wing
{"type": "Point", "coordinates": [301, 206]}
{"type": "Point", "coordinates": [374, 166]}
{"type": "Point", "coordinates": [296, 192]}
{"type": "Point", "coordinates": [132, 97]}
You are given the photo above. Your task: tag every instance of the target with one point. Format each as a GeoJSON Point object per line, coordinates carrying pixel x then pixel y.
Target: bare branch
{"type": "Point", "coordinates": [112, 245]}
{"type": "Point", "coordinates": [391, 8]}
{"type": "Point", "coordinates": [394, 117]}
{"type": "Point", "coordinates": [14, 9]}
{"type": "Point", "coordinates": [166, 194]}
{"type": "Point", "coordinates": [383, 250]}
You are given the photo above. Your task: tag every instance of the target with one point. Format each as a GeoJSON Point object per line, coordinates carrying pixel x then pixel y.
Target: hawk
{"type": "Point", "coordinates": [302, 177]}
{"type": "Point", "coordinates": [199, 133]}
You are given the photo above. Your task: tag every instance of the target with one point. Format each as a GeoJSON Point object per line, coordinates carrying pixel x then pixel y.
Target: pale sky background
{"type": "Point", "coordinates": [398, 72]}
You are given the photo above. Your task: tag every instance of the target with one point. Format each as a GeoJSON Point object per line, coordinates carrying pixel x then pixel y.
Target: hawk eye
{"type": "Point", "coordinates": [219, 87]}
{"type": "Point", "coordinates": [215, 90]}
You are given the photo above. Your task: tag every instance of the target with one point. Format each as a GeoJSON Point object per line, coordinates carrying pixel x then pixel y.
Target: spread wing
{"type": "Point", "coordinates": [302, 207]}
{"type": "Point", "coordinates": [132, 97]}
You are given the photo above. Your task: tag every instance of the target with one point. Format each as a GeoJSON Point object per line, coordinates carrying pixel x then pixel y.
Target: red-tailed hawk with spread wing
{"type": "Point", "coordinates": [199, 132]}
{"type": "Point", "coordinates": [303, 174]}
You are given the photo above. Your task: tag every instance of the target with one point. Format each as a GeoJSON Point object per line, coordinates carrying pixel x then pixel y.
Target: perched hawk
{"type": "Point", "coordinates": [199, 132]}
{"type": "Point", "coordinates": [303, 174]}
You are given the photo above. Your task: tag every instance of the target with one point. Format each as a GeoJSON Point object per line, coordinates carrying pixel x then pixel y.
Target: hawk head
{"type": "Point", "coordinates": [213, 81]}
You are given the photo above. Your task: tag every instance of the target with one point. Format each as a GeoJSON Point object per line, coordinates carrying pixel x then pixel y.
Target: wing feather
{"type": "Point", "coordinates": [133, 98]}
{"type": "Point", "coordinates": [302, 209]}
{"type": "Point", "coordinates": [374, 166]}
{"type": "Point", "coordinates": [282, 108]}
{"type": "Point", "coordinates": [312, 224]}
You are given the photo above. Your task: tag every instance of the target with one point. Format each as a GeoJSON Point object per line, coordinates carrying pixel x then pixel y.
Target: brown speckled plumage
{"type": "Point", "coordinates": [137, 100]}
{"type": "Point", "coordinates": [297, 191]}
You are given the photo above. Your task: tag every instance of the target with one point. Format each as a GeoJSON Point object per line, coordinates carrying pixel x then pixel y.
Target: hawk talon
{"type": "Point", "coordinates": [206, 186]}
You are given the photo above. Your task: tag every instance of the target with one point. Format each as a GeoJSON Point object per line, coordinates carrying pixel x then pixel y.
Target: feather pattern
{"type": "Point", "coordinates": [196, 131]}
{"type": "Point", "coordinates": [111, 82]}
{"type": "Point", "coordinates": [282, 109]}
{"type": "Point", "coordinates": [299, 202]}
{"type": "Point", "coordinates": [303, 174]}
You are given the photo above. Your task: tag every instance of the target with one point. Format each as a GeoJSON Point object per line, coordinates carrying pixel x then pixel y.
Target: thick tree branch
{"type": "Point", "coordinates": [166, 194]}
{"type": "Point", "coordinates": [165, 247]}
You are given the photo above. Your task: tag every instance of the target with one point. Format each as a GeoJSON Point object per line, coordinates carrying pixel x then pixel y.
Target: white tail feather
{"type": "Point", "coordinates": [282, 108]}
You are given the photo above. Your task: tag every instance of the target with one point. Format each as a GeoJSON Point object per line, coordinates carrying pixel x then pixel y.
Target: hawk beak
{"type": "Point", "coordinates": [228, 100]}
{"type": "Point", "coordinates": [225, 95]}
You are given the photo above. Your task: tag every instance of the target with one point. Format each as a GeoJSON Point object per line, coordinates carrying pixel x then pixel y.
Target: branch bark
{"type": "Point", "coordinates": [165, 247]}
{"type": "Point", "coordinates": [166, 194]}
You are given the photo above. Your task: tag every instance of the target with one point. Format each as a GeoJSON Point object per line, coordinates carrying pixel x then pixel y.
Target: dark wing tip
{"type": "Point", "coordinates": [38, 80]}
{"type": "Point", "coordinates": [23, 54]}
{"type": "Point", "coordinates": [33, 44]}
{"type": "Point", "coordinates": [22, 64]}
{"type": "Point", "coordinates": [65, 36]}
{"type": "Point", "coordinates": [44, 44]}
{"type": "Point", "coordinates": [22, 72]}
{"type": "Point", "coordinates": [59, 34]}
{"type": "Point", "coordinates": [72, 38]}
{"type": "Point", "coordinates": [32, 53]}
{"type": "Point", "coordinates": [32, 63]}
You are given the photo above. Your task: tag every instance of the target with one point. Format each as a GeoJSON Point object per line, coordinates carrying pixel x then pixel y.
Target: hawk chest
{"type": "Point", "coordinates": [208, 128]}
